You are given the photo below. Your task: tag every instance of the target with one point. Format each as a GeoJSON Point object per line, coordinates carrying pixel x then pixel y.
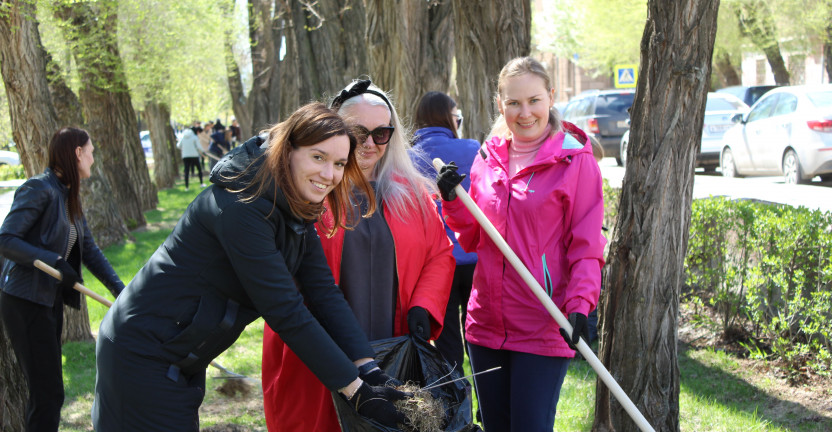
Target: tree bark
{"type": "Point", "coordinates": [264, 36]}
{"type": "Point", "coordinates": [757, 22]}
{"type": "Point", "coordinates": [827, 49]}
{"type": "Point", "coordinates": [728, 75]}
{"type": "Point", "coordinates": [235, 87]}
{"type": "Point", "coordinates": [23, 67]}
{"type": "Point", "coordinates": [111, 120]}
{"type": "Point", "coordinates": [640, 301]}
{"type": "Point", "coordinates": [328, 38]}
{"type": "Point", "coordinates": [410, 49]}
{"type": "Point", "coordinates": [33, 120]}
{"type": "Point", "coordinates": [487, 34]}
{"type": "Point", "coordinates": [165, 153]}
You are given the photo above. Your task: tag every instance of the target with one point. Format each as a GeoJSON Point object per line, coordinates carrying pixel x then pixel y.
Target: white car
{"type": "Point", "coordinates": [788, 132]}
{"type": "Point", "coordinates": [9, 158]}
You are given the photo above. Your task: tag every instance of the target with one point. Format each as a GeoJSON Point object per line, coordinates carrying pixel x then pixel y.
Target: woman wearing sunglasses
{"type": "Point", "coordinates": [395, 268]}
{"type": "Point", "coordinates": [439, 121]}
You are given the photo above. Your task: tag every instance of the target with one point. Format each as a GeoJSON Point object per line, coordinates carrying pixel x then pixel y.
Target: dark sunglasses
{"type": "Point", "coordinates": [381, 135]}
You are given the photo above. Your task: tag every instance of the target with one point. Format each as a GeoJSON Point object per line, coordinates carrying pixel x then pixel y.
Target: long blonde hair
{"type": "Point", "coordinates": [516, 67]}
{"type": "Point", "coordinates": [398, 183]}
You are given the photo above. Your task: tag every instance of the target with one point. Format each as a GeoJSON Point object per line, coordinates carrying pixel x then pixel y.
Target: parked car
{"type": "Point", "coordinates": [720, 108]}
{"type": "Point", "coordinates": [748, 94]}
{"type": "Point", "coordinates": [788, 132]}
{"type": "Point", "coordinates": [602, 114]}
{"type": "Point", "coordinates": [147, 146]}
{"type": "Point", "coordinates": [9, 158]}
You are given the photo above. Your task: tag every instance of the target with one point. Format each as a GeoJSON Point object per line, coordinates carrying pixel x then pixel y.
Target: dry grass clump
{"type": "Point", "coordinates": [423, 412]}
{"type": "Point", "coordinates": [232, 386]}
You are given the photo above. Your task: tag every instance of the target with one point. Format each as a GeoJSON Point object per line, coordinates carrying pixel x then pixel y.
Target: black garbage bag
{"type": "Point", "coordinates": [411, 359]}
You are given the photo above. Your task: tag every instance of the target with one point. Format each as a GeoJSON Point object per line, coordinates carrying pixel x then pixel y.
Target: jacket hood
{"type": "Point", "coordinates": [562, 145]}
{"type": "Point", "coordinates": [188, 132]}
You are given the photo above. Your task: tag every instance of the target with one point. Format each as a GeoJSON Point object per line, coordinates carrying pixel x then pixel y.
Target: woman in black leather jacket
{"type": "Point", "coordinates": [46, 223]}
{"type": "Point", "coordinates": [245, 247]}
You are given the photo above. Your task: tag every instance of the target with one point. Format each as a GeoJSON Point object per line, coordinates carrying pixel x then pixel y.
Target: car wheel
{"type": "Point", "coordinates": [826, 177]}
{"type": "Point", "coordinates": [709, 168]}
{"type": "Point", "coordinates": [729, 168]}
{"type": "Point", "coordinates": [622, 159]}
{"type": "Point", "coordinates": [792, 171]}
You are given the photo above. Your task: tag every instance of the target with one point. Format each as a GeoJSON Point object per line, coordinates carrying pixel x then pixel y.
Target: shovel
{"type": "Point", "coordinates": [90, 293]}
{"type": "Point", "coordinates": [550, 306]}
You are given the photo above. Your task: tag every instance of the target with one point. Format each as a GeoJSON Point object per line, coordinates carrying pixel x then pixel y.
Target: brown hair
{"type": "Point", "coordinates": [309, 125]}
{"type": "Point", "coordinates": [435, 110]}
{"type": "Point", "coordinates": [516, 67]}
{"type": "Point", "coordinates": [64, 163]}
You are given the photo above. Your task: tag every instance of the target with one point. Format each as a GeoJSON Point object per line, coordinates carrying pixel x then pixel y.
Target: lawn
{"type": "Point", "coordinates": [719, 392]}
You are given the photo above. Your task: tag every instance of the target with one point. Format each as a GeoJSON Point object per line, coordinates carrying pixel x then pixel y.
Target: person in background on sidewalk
{"type": "Point", "coordinates": [205, 143]}
{"type": "Point", "coordinates": [395, 268]}
{"type": "Point", "coordinates": [46, 222]}
{"type": "Point", "coordinates": [246, 247]}
{"type": "Point", "coordinates": [191, 150]}
{"type": "Point", "coordinates": [439, 120]}
{"type": "Point", "coordinates": [537, 181]}
{"type": "Point", "coordinates": [219, 146]}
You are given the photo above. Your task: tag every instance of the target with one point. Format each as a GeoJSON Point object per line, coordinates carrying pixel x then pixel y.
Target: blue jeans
{"type": "Point", "coordinates": [523, 394]}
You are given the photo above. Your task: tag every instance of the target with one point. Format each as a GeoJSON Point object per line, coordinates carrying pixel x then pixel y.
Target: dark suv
{"type": "Point", "coordinates": [602, 114]}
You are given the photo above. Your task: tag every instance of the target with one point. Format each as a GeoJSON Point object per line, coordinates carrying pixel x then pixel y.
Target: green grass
{"type": "Point", "coordinates": [716, 394]}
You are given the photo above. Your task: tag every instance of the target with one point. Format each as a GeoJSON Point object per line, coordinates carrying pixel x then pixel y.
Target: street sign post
{"type": "Point", "coordinates": [626, 76]}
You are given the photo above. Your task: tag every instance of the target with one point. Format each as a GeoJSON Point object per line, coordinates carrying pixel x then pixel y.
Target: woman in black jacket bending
{"type": "Point", "coordinates": [46, 223]}
{"type": "Point", "coordinates": [245, 247]}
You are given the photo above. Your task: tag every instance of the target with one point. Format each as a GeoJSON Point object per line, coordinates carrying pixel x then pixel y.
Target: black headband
{"type": "Point", "coordinates": [359, 88]}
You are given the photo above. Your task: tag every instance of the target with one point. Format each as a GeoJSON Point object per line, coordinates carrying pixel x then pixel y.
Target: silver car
{"type": "Point", "coordinates": [720, 108]}
{"type": "Point", "coordinates": [787, 132]}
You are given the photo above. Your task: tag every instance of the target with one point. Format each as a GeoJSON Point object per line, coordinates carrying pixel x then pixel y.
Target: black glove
{"type": "Point", "coordinates": [579, 329]}
{"type": "Point", "coordinates": [418, 322]}
{"type": "Point", "coordinates": [447, 180]}
{"type": "Point", "coordinates": [373, 375]}
{"type": "Point", "coordinates": [68, 274]}
{"type": "Point", "coordinates": [377, 403]}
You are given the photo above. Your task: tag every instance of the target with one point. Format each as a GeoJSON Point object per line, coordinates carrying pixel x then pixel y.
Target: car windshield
{"type": "Point", "coordinates": [617, 103]}
{"type": "Point", "coordinates": [720, 104]}
{"type": "Point", "coordinates": [821, 99]}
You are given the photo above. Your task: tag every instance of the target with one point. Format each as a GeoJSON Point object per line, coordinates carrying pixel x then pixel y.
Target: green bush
{"type": "Point", "coordinates": [769, 267]}
{"type": "Point", "coordinates": [8, 172]}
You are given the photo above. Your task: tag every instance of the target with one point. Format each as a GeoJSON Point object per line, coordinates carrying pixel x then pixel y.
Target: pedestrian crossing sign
{"type": "Point", "coordinates": [626, 76]}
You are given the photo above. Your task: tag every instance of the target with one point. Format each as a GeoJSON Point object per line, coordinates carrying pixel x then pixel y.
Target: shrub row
{"type": "Point", "coordinates": [8, 172]}
{"type": "Point", "coordinates": [766, 269]}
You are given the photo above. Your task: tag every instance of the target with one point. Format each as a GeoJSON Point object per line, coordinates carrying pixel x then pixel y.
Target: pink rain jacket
{"type": "Point", "coordinates": [550, 214]}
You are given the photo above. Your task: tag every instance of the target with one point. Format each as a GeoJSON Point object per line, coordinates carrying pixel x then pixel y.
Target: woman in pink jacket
{"type": "Point", "coordinates": [395, 268]}
{"type": "Point", "coordinates": [538, 183]}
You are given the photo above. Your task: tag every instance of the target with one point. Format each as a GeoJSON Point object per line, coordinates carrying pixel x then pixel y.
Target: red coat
{"type": "Point", "coordinates": [293, 398]}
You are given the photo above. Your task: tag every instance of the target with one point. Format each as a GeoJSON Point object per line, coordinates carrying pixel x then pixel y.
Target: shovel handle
{"type": "Point", "coordinates": [547, 302]}
{"type": "Point", "coordinates": [46, 268]}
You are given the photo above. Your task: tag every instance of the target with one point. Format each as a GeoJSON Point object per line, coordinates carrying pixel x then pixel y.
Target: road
{"type": "Point", "coordinates": [769, 189]}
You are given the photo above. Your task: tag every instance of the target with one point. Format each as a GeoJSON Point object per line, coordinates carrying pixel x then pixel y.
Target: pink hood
{"type": "Point", "coordinates": [550, 213]}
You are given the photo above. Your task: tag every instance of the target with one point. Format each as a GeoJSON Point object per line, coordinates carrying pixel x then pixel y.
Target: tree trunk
{"type": "Point", "coordinates": [23, 67]}
{"type": "Point", "coordinates": [322, 37]}
{"type": "Point", "coordinates": [164, 153]}
{"type": "Point", "coordinates": [728, 75]}
{"type": "Point", "coordinates": [13, 390]}
{"type": "Point", "coordinates": [77, 324]}
{"type": "Point", "coordinates": [238, 96]}
{"type": "Point", "coordinates": [264, 36]}
{"type": "Point", "coordinates": [757, 22]}
{"type": "Point", "coordinates": [111, 120]}
{"type": "Point", "coordinates": [827, 49]}
{"type": "Point", "coordinates": [640, 301]}
{"type": "Point", "coordinates": [410, 49]}
{"type": "Point", "coordinates": [33, 121]}
{"type": "Point", "coordinates": [487, 34]}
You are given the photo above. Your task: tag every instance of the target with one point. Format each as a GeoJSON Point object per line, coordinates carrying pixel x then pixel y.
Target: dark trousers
{"type": "Point", "coordinates": [134, 393]}
{"type": "Point", "coordinates": [190, 163]}
{"type": "Point", "coordinates": [34, 332]}
{"type": "Point", "coordinates": [450, 342]}
{"type": "Point", "coordinates": [523, 394]}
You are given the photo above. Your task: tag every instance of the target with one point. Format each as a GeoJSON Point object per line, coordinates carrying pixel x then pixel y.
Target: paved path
{"type": "Point", "coordinates": [769, 189]}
